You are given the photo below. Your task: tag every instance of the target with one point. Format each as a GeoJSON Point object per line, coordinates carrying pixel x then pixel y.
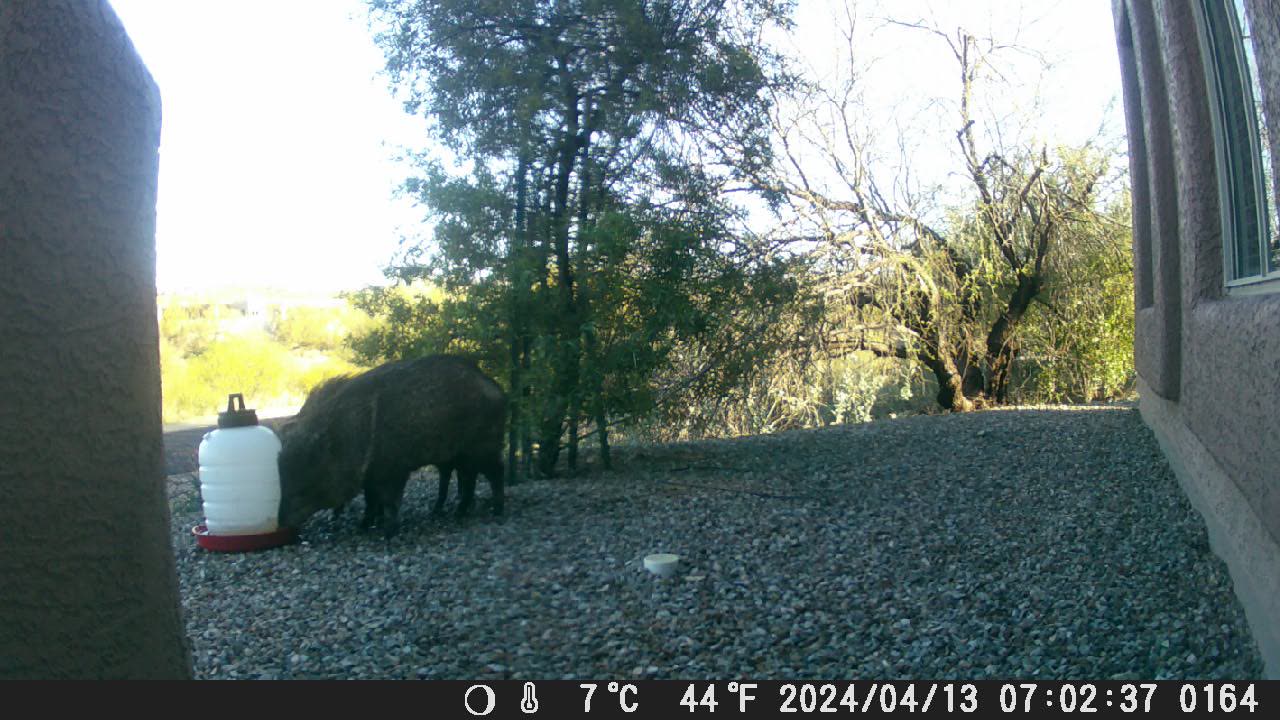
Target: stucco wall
{"type": "Point", "coordinates": [87, 582]}
{"type": "Point", "coordinates": [1236, 533]}
{"type": "Point", "coordinates": [1220, 426]}
{"type": "Point", "coordinates": [1232, 368]}
{"type": "Point", "coordinates": [1229, 357]}
{"type": "Point", "coordinates": [1158, 332]}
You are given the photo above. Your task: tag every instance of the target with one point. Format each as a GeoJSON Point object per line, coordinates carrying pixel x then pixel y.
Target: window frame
{"type": "Point", "coordinates": [1237, 142]}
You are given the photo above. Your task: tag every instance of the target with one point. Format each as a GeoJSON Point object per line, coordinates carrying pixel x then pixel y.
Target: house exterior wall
{"type": "Point", "coordinates": [1208, 359]}
{"type": "Point", "coordinates": [87, 581]}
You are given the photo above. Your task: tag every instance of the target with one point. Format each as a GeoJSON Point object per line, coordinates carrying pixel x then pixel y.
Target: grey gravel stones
{"type": "Point", "coordinates": [1045, 543]}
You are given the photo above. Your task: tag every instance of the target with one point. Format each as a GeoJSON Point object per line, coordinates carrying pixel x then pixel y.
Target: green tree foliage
{"type": "Point", "coordinates": [1079, 336]}
{"type": "Point", "coordinates": [198, 385]}
{"type": "Point", "coordinates": [174, 383]}
{"type": "Point", "coordinates": [189, 327]}
{"type": "Point", "coordinates": [418, 318]}
{"type": "Point", "coordinates": [208, 351]}
{"type": "Point", "coordinates": [584, 247]}
{"type": "Point", "coordinates": [588, 235]}
{"type": "Point", "coordinates": [790, 391]}
{"type": "Point", "coordinates": [252, 365]}
{"type": "Point", "coordinates": [312, 328]}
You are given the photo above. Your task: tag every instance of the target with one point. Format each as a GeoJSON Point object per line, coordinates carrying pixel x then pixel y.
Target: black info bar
{"type": "Point", "coordinates": [671, 699]}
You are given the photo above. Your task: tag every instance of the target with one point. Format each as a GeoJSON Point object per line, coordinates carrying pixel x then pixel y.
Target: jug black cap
{"type": "Point", "coordinates": [234, 418]}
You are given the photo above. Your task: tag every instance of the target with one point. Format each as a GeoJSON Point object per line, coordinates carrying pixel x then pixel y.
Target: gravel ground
{"type": "Point", "coordinates": [1044, 543]}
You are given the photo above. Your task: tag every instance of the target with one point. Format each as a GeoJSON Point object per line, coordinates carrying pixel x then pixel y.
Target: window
{"type": "Point", "coordinates": [1251, 235]}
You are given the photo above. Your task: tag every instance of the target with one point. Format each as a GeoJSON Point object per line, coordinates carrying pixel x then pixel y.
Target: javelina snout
{"type": "Point", "coordinates": [369, 432]}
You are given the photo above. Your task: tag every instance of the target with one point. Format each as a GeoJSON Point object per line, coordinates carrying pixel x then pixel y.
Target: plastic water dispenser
{"type": "Point", "coordinates": [239, 477]}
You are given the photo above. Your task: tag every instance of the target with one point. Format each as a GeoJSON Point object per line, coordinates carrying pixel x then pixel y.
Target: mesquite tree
{"type": "Point", "coordinates": [902, 274]}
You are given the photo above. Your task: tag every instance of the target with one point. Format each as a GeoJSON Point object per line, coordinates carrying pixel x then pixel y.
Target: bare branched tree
{"type": "Point", "coordinates": [900, 273]}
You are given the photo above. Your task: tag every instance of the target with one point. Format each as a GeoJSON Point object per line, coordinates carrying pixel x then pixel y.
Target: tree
{"type": "Point", "coordinates": [313, 328]}
{"type": "Point", "coordinates": [588, 226]}
{"type": "Point", "coordinates": [902, 274]}
{"type": "Point", "coordinates": [190, 327]}
{"type": "Point", "coordinates": [1079, 335]}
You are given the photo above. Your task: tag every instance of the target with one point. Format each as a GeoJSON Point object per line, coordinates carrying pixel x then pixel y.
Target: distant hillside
{"type": "Point", "coordinates": [271, 345]}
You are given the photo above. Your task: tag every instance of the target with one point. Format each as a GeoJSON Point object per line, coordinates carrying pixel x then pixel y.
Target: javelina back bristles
{"type": "Point", "coordinates": [370, 432]}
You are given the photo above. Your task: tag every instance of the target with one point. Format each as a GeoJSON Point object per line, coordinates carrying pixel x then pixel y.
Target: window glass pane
{"type": "Point", "coordinates": [1264, 137]}
{"type": "Point", "coordinates": [1243, 155]}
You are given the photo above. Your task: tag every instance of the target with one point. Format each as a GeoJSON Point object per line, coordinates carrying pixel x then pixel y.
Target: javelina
{"type": "Point", "coordinates": [371, 431]}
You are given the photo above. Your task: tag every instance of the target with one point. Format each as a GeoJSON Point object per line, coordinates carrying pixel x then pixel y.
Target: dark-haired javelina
{"type": "Point", "coordinates": [371, 431]}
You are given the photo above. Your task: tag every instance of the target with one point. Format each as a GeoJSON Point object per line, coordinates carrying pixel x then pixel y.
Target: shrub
{"type": "Point", "coordinates": [315, 328]}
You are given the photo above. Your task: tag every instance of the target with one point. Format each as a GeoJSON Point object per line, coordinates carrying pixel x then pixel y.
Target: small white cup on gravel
{"type": "Point", "coordinates": [662, 564]}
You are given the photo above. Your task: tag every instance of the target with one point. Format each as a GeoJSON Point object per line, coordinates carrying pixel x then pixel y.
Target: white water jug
{"type": "Point", "coordinates": [239, 477]}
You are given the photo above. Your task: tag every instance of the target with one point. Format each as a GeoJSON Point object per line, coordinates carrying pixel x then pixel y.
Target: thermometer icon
{"type": "Point", "coordinates": [529, 703]}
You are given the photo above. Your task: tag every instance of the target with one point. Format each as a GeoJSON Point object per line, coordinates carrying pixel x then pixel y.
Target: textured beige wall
{"type": "Point", "coordinates": [87, 581]}
{"type": "Point", "coordinates": [1220, 427]}
{"type": "Point", "coordinates": [1235, 532]}
{"type": "Point", "coordinates": [1231, 366]}
{"type": "Point", "coordinates": [1227, 349]}
{"type": "Point", "coordinates": [1158, 332]}
{"type": "Point", "coordinates": [1139, 173]}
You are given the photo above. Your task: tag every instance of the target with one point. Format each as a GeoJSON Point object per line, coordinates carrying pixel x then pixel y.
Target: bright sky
{"type": "Point", "coordinates": [276, 154]}
{"type": "Point", "coordinates": [1059, 85]}
{"type": "Point", "coordinates": [276, 144]}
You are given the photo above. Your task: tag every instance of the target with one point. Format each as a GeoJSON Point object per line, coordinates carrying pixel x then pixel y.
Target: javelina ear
{"type": "Point", "coordinates": [294, 432]}
{"type": "Point", "coordinates": [299, 437]}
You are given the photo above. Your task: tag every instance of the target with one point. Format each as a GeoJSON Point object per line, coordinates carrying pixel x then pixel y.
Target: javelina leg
{"type": "Point", "coordinates": [446, 471]}
{"type": "Point", "coordinates": [466, 489]}
{"type": "Point", "coordinates": [372, 509]}
{"type": "Point", "coordinates": [388, 491]}
{"type": "Point", "coordinates": [375, 509]}
{"type": "Point", "coordinates": [494, 472]}
{"type": "Point", "coordinates": [390, 517]}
